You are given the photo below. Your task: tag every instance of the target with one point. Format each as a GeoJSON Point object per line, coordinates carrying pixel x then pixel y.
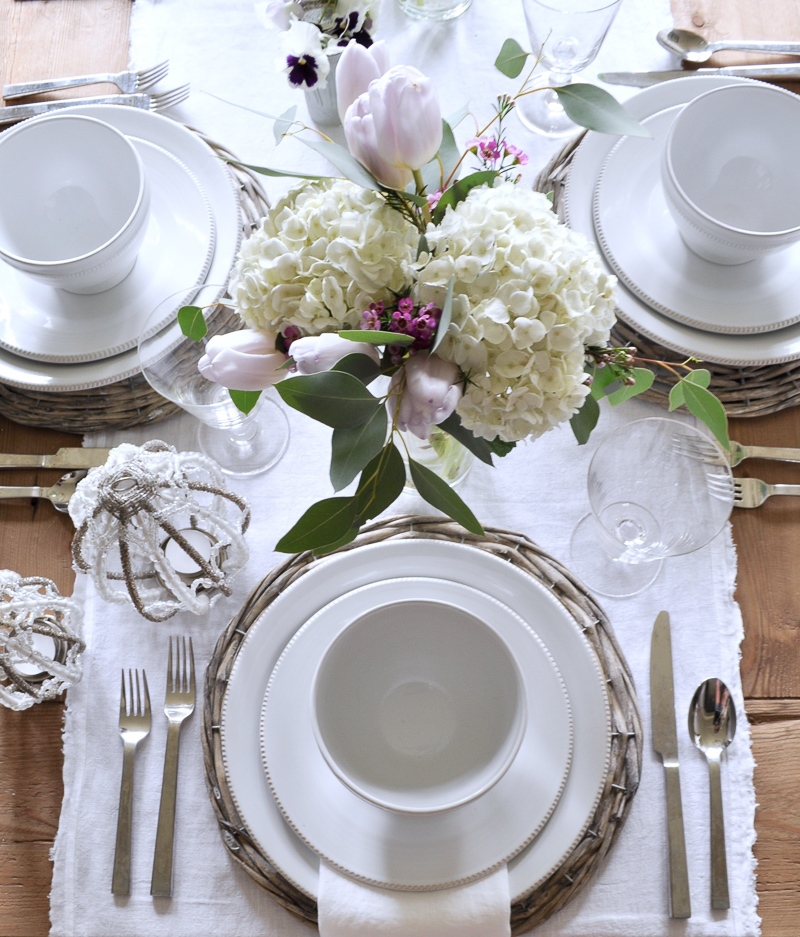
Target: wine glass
{"type": "Point", "coordinates": [241, 444]}
{"type": "Point", "coordinates": [568, 35]}
{"type": "Point", "coordinates": [657, 488]}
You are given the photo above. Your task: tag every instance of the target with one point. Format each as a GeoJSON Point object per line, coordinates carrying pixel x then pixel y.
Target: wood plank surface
{"type": "Point", "coordinates": [40, 38]}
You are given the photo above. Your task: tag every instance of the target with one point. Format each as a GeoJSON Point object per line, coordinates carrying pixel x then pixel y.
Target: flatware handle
{"type": "Point", "coordinates": [768, 45]}
{"type": "Point", "coordinates": [161, 882]}
{"type": "Point", "coordinates": [20, 492]}
{"type": "Point", "coordinates": [22, 88]}
{"type": "Point", "coordinates": [720, 898]}
{"type": "Point", "coordinates": [680, 905]}
{"type": "Point", "coordinates": [21, 111]}
{"type": "Point", "coordinates": [784, 490]}
{"type": "Point", "coordinates": [121, 879]}
{"type": "Point", "coordinates": [772, 452]}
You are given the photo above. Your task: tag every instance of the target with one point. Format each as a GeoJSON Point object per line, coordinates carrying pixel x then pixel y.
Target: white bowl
{"type": "Point", "coordinates": [75, 202]}
{"type": "Point", "coordinates": [730, 175]}
{"type": "Point", "coordinates": [418, 707]}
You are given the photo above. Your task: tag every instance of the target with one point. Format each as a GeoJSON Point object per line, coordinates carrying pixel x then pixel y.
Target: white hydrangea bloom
{"type": "Point", "coordinates": [529, 295]}
{"type": "Point", "coordinates": [321, 256]}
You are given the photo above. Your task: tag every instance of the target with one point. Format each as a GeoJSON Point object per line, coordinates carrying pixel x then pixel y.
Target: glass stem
{"type": "Point", "coordinates": [245, 431]}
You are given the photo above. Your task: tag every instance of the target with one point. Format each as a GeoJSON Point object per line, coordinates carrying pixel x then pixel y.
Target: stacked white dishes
{"type": "Point", "coordinates": [742, 315]}
{"type": "Point", "coordinates": [53, 340]}
{"type": "Point", "coordinates": [297, 749]}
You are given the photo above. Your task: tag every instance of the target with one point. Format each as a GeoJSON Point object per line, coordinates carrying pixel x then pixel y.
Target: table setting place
{"type": "Point", "coordinates": [403, 355]}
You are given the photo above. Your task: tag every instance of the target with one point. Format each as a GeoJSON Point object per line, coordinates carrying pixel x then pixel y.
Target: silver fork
{"type": "Point", "coordinates": [752, 492]}
{"type": "Point", "coordinates": [179, 705]}
{"type": "Point", "coordinates": [736, 454]}
{"type": "Point", "coordinates": [134, 725]}
{"type": "Point", "coordinates": [147, 102]}
{"type": "Point", "coordinates": [126, 81]}
{"type": "Point", "coordinates": [58, 494]}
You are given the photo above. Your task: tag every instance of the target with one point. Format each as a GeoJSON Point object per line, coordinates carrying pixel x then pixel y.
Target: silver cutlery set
{"type": "Point", "coordinates": [134, 92]}
{"type": "Point", "coordinates": [135, 722]}
{"type": "Point", "coordinates": [711, 725]}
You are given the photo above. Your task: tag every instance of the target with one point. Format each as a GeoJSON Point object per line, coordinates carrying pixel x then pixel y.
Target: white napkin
{"type": "Point", "coordinates": [348, 908]}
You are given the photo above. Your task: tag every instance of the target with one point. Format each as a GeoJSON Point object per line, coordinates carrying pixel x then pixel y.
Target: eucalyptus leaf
{"type": "Point", "coordinates": [700, 376]}
{"type": "Point", "coordinates": [585, 420]}
{"type": "Point", "coordinates": [476, 445]}
{"type": "Point", "coordinates": [444, 319]}
{"type": "Point", "coordinates": [511, 59]}
{"type": "Point", "coordinates": [461, 189]}
{"type": "Point", "coordinates": [355, 447]}
{"type": "Point", "coordinates": [602, 378]}
{"type": "Point", "coordinates": [595, 109]}
{"type": "Point", "coordinates": [381, 482]}
{"type": "Point", "coordinates": [422, 247]}
{"type": "Point", "coordinates": [277, 173]}
{"type": "Point", "coordinates": [323, 523]}
{"type": "Point", "coordinates": [244, 400]}
{"type": "Point", "coordinates": [708, 409]}
{"type": "Point", "coordinates": [192, 323]}
{"type": "Point", "coordinates": [283, 123]}
{"type": "Point", "coordinates": [676, 396]}
{"type": "Point", "coordinates": [360, 366]}
{"type": "Point", "coordinates": [440, 495]}
{"type": "Point", "coordinates": [449, 152]}
{"type": "Point", "coordinates": [334, 398]}
{"type": "Point", "coordinates": [345, 162]}
{"type": "Point", "coordinates": [330, 547]}
{"type": "Point", "coordinates": [455, 119]}
{"type": "Point", "coordinates": [500, 447]}
{"type": "Point", "coordinates": [642, 380]}
{"type": "Point", "coordinates": [376, 337]}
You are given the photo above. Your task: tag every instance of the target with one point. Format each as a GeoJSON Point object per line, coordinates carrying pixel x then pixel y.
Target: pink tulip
{"type": "Point", "coordinates": [430, 394]}
{"type": "Point", "coordinates": [321, 352]}
{"type": "Point", "coordinates": [359, 130]}
{"type": "Point", "coordinates": [357, 67]}
{"type": "Point", "coordinates": [407, 118]}
{"type": "Point", "coordinates": [243, 360]}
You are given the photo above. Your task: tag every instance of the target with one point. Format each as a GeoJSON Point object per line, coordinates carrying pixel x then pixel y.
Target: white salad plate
{"type": "Point", "coordinates": [38, 321]}
{"type": "Point", "coordinates": [641, 242]}
{"type": "Point", "coordinates": [337, 575]}
{"type": "Point", "coordinates": [750, 350]}
{"type": "Point", "coordinates": [215, 180]}
{"type": "Point", "coordinates": [405, 850]}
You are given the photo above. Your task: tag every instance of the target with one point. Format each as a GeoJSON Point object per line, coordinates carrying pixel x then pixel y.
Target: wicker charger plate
{"type": "Point", "coordinates": [625, 762]}
{"type": "Point", "coordinates": [747, 391]}
{"type": "Point", "coordinates": [131, 401]}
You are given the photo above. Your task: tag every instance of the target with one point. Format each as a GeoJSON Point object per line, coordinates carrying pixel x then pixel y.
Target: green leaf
{"type": "Point", "coordinates": [511, 59]}
{"type": "Point", "coordinates": [323, 523]}
{"type": "Point", "coordinates": [360, 366]}
{"type": "Point", "coordinates": [585, 420]}
{"type": "Point", "coordinates": [500, 447]}
{"type": "Point", "coordinates": [444, 319]}
{"type": "Point", "coordinates": [438, 169]}
{"type": "Point", "coordinates": [192, 323]}
{"type": "Point", "coordinates": [422, 247]}
{"type": "Point", "coordinates": [353, 448]}
{"type": "Point", "coordinates": [330, 547]}
{"type": "Point", "coordinates": [283, 123]}
{"type": "Point", "coordinates": [334, 398]}
{"type": "Point", "coordinates": [602, 379]}
{"type": "Point", "coordinates": [476, 445]}
{"type": "Point", "coordinates": [676, 397]}
{"type": "Point", "coordinates": [455, 118]}
{"type": "Point", "coordinates": [345, 162]}
{"type": "Point", "coordinates": [460, 190]}
{"type": "Point", "coordinates": [700, 376]}
{"type": "Point", "coordinates": [381, 482]}
{"type": "Point", "coordinates": [596, 109]}
{"type": "Point", "coordinates": [643, 380]}
{"type": "Point", "coordinates": [278, 173]}
{"type": "Point", "coordinates": [376, 337]}
{"type": "Point", "coordinates": [708, 409]}
{"type": "Point", "coordinates": [244, 400]}
{"type": "Point", "coordinates": [440, 495]}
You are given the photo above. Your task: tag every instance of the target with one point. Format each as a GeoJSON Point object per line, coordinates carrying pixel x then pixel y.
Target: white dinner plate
{"type": "Point", "coordinates": [740, 350]}
{"type": "Point", "coordinates": [38, 321]}
{"type": "Point", "coordinates": [643, 245]}
{"type": "Point", "coordinates": [409, 851]}
{"type": "Point", "coordinates": [330, 578]}
{"type": "Point", "coordinates": [219, 187]}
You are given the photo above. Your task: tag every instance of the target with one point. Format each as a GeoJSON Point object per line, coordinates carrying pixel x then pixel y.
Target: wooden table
{"type": "Point", "coordinates": [45, 37]}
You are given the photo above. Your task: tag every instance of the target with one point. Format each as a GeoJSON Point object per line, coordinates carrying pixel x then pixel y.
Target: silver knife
{"type": "Point", "coordinates": [761, 72]}
{"type": "Point", "coordinates": [63, 459]}
{"type": "Point", "coordinates": [665, 742]}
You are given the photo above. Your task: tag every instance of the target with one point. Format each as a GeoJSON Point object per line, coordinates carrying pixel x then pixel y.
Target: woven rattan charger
{"type": "Point", "coordinates": [622, 778]}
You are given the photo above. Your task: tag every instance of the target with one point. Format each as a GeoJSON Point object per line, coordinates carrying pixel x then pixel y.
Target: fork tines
{"type": "Point", "coordinates": [131, 704]}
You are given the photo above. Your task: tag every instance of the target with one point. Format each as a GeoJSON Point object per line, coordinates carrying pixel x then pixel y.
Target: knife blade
{"type": "Point", "coordinates": [761, 72]}
{"type": "Point", "coordinates": [665, 742]}
{"type": "Point", "coordinates": [63, 459]}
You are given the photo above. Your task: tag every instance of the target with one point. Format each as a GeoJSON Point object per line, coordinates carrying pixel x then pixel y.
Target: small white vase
{"type": "Point", "coordinates": [321, 102]}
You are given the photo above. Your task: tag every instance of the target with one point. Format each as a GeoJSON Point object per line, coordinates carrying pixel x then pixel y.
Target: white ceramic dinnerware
{"type": "Point", "coordinates": [75, 202]}
{"type": "Point", "coordinates": [730, 172]}
{"type": "Point", "coordinates": [167, 265]}
{"type": "Point", "coordinates": [418, 706]}
{"type": "Point", "coordinates": [643, 246]}
{"type": "Point", "coordinates": [405, 850]}
{"type": "Point", "coordinates": [741, 350]}
{"type": "Point", "coordinates": [267, 639]}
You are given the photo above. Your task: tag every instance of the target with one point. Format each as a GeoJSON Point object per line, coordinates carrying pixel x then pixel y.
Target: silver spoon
{"type": "Point", "coordinates": [691, 47]}
{"type": "Point", "coordinates": [58, 494]}
{"type": "Point", "coordinates": [712, 725]}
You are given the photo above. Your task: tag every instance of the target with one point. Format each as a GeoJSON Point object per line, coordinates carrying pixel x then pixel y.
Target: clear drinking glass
{"type": "Point", "coordinates": [657, 488]}
{"type": "Point", "coordinates": [241, 444]}
{"type": "Point", "coordinates": [569, 34]}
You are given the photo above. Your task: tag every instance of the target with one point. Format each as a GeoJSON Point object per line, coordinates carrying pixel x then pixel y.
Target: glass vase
{"type": "Point", "coordinates": [440, 453]}
{"type": "Point", "coordinates": [433, 9]}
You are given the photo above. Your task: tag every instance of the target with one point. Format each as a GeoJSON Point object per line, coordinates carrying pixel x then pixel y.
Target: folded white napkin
{"type": "Point", "coordinates": [348, 908]}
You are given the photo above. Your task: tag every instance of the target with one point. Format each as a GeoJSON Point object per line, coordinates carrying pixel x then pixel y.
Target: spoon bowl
{"type": "Point", "coordinates": [692, 47]}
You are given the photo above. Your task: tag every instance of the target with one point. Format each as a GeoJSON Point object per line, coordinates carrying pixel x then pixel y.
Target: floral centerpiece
{"type": "Point", "coordinates": [487, 318]}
